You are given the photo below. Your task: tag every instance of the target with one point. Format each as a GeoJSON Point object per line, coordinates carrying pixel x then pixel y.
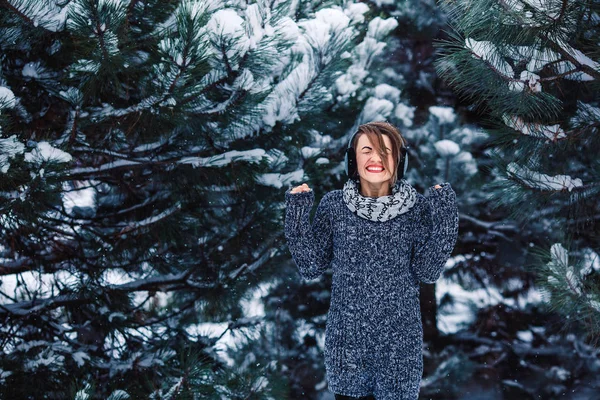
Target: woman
{"type": "Point", "coordinates": [381, 238]}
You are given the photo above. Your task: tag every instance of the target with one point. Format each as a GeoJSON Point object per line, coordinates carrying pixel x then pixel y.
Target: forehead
{"type": "Point", "coordinates": [363, 140]}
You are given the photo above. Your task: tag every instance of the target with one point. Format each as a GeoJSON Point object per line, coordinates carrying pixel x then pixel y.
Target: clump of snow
{"type": "Point", "coordinates": [252, 156]}
{"type": "Point", "coordinates": [226, 23]}
{"type": "Point", "coordinates": [525, 336]}
{"type": "Point", "coordinates": [85, 66]}
{"type": "Point", "coordinates": [45, 152]}
{"type": "Point", "coordinates": [356, 11]}
{"type": "Point", "coordinates": [558, 373]}
{"type": "Point", "coordinates": [405, 114]}
{"type": "Point", "coordinates": [379, 27]}
{"type": "Point", "coordinates": [333, 18]}
{"type": "Point", "coordinates": [445, 115]}
{"type": "Point", "coordinates": [591, 261]}
{"type": "Point", "coordinates": [319, 139]}
{"type": "Point", "coordinates": [119, 395]}
{"type": "Point", "coordinates": [278, 180]}
{"type": "Point", "coordinates": [582, 59]}
{"type": "Point", "coordinates": [488, 52]}
{"type": "Point", "coordinates": [44, 13]}
{"type": "Point", "coordinates": [308, 151]}
{"type": "Point", "coordinates": [446, 148]}
{"type": "Point", "coordinates": [468, 136]}
{"type": "Point", "coordinates": [9, 148]}
{"type": "Point", "coordinates": [322, 160]}
{"type": "Point", "coordinates": [585, 114]}
{"type": "Point", "coordinates": [388, 92]}
{"type": "Point", "coordinates": [467, 163]}
{"type": "Point", "coordinates": [79, 357]}
{"type": "Point", "coordinates": [7, 98]}
{"type": "Point", "coordinates": [83, 393]}
{"type": "Point", "coordinates": [30, 70]}
{"type": "Point", "coordinates": [532, 80]}
{"type": "Point", "coordinates": [541, 181]}
{"type": "Point", "coordinates": [3, 375]}
{"type": "Point", "coordinates": [551, 132]}
{"type": "Point", "coordinates": [347, 84]}
{"type": "Point", "coordinates": [376, 109]}
{"type": "Point", "coordinates": [47, 358]}
{"type": "Point", "coordinates": [72, 95]}
{"type": "Point", "coordinates": [276, 157]}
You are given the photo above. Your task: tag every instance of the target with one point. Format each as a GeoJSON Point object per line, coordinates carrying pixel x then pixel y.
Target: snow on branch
{"type": "Point", "coordinates": [15, 266]}
{"type": "Point", "coordinates": [28, 307]}
{"type": "Point", "coordinates": [104, 167]}
{"type": "Point", "coordinates": [589, 69]}
{"type": "Point", "coordinates": [161, 283]}
{"type": "Point", "coordinates": [487, 51]}
{"type": "Point", "coordinates": [550, 132]}
{"type": "Point", "coordinates": [150, 220]}
{"type": "Point", "coordinates": [537, 180]}
{"type": "Point", "coordinates": [9, 148]}
{"type": "Point", "coordinates": [253, 156]}
{"type": "Point", "coordinates": [45, 13]}
{"type": "Point", "coordinates": [563, 276]}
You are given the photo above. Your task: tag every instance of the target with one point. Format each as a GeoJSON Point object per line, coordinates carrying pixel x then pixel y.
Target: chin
{"type": "Point", "coordinates": [383, 179]}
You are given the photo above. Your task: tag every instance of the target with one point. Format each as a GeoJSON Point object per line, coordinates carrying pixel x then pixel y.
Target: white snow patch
{"type": "Point", "coordinates": [379, 28]}
{"type": "Point", "coordinates": [308, 152]}
{"type": "Point", "coordinates": [252, 156]}
{"type": "Point", "coordinates": [405, 114]}
{"type": "Point", "coordinates": [7, 98]}
{"type": "Point", "coordinates": [278, 180]}
{"type": "Point", "coordinates": [9, 148]}
{"type": "Point", "coordinates": [79, 357]}
{"type": "Point", "coordinates": [445, 115]}
{"type": "Point", "coordinates": [446, 148]}
{"type": "Point", "coordinates": [542, 181]}
{"type": "Point", "coordinates": [45, 152]}
{"type": "Point", "coordinates": [487, 51]}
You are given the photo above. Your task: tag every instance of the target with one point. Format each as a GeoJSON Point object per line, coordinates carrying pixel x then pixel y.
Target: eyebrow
{"type": "Point", "coordinates": [370, 148]}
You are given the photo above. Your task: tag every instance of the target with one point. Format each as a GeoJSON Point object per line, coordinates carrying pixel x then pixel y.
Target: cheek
{"type": "Point", "coordinates": [360, 160]}
{"type": "Point", "coordinates": [391, 164]}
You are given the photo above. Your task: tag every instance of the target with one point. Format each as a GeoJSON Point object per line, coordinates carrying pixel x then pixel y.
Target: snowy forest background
{"type": "Point", "coordinates": [146, 146]}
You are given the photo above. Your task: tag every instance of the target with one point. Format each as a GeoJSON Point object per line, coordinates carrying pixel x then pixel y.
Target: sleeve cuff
{"type": "Point", "coordinates": [301, 198]}
{"type": "Point", "coordinates": [445, 193]}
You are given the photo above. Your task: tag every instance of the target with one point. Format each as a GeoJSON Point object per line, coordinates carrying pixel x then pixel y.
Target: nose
{"type": "Point", "coordinates": [376, 157]}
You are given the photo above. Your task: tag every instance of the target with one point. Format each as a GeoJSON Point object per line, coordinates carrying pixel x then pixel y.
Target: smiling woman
{"type": "Point", "coordinates": [381, 238]}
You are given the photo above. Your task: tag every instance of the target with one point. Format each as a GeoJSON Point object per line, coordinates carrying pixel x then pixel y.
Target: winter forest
{"type": "Point", "coordinates": [146, 146]}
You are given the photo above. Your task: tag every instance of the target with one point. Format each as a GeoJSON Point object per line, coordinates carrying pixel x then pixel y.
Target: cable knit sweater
{"type": "Point", "coordinates": [374, 333]}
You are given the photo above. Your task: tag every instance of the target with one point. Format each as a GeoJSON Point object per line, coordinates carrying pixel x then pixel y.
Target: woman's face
{"type": "Point", "coordinates": [370, 164]}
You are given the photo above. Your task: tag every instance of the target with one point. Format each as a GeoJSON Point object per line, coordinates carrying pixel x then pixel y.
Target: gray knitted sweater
{"type": "Point", "coordinates": [374, 333]}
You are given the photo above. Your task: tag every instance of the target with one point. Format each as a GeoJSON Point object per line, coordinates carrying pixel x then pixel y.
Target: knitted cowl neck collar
{"type": "Point", "coordinates": [380, 209]}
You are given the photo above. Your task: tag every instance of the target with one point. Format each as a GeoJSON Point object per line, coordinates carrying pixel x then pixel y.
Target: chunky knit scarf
{"type": "Point", "coordinates": [380, 209]}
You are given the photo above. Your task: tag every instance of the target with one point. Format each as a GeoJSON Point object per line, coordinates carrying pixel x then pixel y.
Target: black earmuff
{"type": "Point", "coordinates": [350, 160]}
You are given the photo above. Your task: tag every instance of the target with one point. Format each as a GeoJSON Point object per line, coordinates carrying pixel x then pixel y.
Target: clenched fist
{"type": "Point", "coordinates": [302, 188]}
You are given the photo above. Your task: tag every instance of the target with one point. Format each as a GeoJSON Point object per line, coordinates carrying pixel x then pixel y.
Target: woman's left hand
{"type": "Point", "coordinates": [437, 187]}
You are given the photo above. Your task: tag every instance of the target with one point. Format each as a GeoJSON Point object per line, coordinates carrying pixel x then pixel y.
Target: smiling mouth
{"type": "Point", "coordinates": [374, 170]}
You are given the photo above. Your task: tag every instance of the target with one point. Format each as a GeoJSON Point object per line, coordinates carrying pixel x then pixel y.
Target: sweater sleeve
{"type": "Point", "coordinates": [437, 234]}
{"type": "Point", "coordinates": [311, 245]}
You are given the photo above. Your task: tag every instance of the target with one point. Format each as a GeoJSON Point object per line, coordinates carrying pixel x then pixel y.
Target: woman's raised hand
{"type": "Point", "coordinates": [302, 188]}
{"type": "Point", "coordinates": [437, 186]}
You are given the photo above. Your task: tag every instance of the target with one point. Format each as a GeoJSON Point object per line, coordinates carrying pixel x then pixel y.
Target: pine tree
{"type": "Point", "coordinates": [531, 69]}
{"type": "Point", "coordinates": [144, 146]}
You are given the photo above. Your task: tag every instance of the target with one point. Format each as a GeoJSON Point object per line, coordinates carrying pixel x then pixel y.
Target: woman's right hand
{"type": "Point", "coordinates": [302, 188]}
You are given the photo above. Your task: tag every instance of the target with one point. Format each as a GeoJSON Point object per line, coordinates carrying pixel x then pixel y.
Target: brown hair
{"type": "Point", "coordinates": [375, 131]}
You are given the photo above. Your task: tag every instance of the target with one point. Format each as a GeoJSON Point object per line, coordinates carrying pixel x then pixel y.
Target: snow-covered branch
{"type": "Point", "coordinates": [540, 181]}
